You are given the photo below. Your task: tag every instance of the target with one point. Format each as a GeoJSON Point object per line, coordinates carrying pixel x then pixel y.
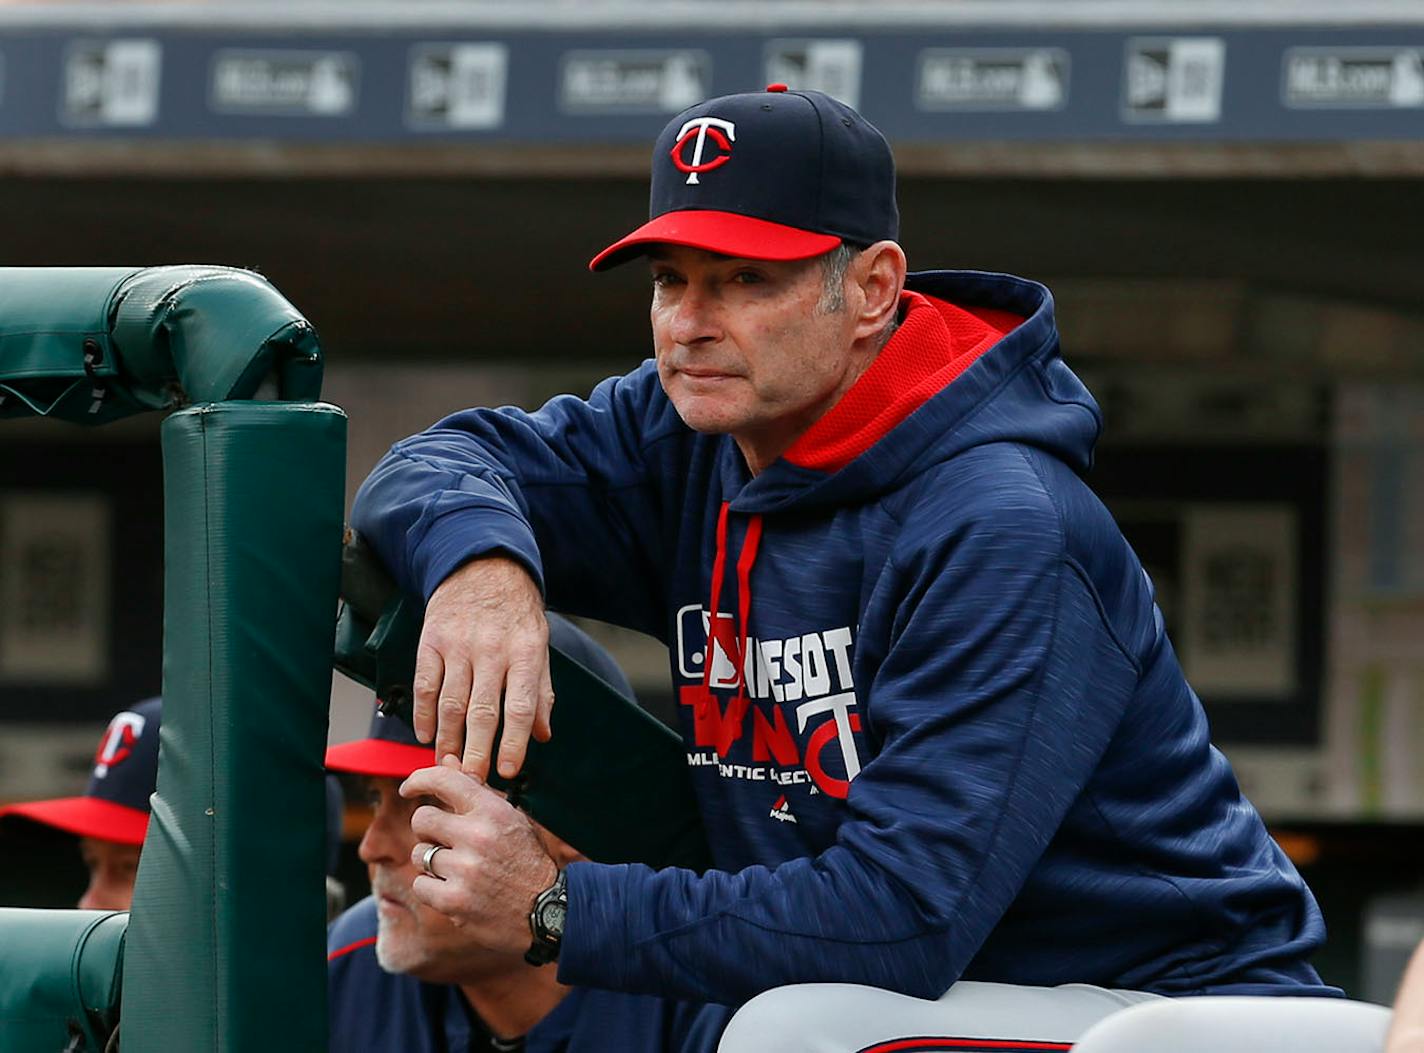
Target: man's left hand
{"type": "Point", "coordinates": [493, 864]}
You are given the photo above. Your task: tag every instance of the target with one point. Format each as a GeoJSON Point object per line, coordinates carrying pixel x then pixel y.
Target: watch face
{"type": "Point", "coordinates": [551, 917]}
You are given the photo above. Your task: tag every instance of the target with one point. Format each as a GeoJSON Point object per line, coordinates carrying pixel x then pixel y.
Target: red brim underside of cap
{"type": "Point", "coordinates": [86, 817]}
{"type": "Point", "coordinates": [379, 758]}
{"type": "Point", "coordinates": [725, 233]}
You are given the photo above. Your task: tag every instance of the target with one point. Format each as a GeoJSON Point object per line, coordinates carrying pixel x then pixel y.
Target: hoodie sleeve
{"type": "Point", "coordinates": [998, 689]}
{"type": "Point", "coordinates": [567, 490]}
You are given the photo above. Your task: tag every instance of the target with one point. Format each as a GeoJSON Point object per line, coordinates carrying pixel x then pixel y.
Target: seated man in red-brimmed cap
{"type": "Point", "coordinates": [111, 816]}
{"type": "Point", "coordinates": [404, 977]}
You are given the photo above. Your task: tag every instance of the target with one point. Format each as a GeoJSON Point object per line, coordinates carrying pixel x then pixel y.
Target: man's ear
{"type": "Point", "coordinates": [879, 271]}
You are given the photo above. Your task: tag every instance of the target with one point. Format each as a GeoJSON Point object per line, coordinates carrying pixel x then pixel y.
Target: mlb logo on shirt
{"type": "Point", "coordinates": [692, 630]}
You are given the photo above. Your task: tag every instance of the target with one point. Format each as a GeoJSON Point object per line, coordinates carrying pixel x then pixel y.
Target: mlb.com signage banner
{"type": "Point", "coordinates": [925, 83]}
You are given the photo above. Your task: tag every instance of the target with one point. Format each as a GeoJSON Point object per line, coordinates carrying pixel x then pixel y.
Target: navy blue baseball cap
{"type": "Point", "coordinates": [115, 807]}
{"type": "Point", "coordinates": [768, 175]}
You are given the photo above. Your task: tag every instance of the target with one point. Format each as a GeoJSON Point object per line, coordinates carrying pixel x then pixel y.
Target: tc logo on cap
{"type": "Point", "coordinates": [698, 131]}
{"type": "Point", "coordinates": [123, 731]}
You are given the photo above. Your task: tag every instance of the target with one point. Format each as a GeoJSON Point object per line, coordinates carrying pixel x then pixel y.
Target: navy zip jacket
{"type": "Point", "coordinates": [935, 725]}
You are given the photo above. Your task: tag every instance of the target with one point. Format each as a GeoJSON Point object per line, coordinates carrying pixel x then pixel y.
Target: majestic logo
{"type": "Point", "coordinates": [781, 811]}
{"type": "Point", "coordinates": [118, 742]}
{"type": "Point", "coordinates": [697, 131]}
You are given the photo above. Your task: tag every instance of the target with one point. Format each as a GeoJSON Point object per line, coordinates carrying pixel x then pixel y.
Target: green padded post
{"type": "Point", "coordinates": [227, 937]}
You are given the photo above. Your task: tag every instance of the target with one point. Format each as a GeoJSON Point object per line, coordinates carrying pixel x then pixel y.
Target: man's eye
{"type": "Point", "coordinates": [663, 280]}
{"type": "Point", "coordinates": [747, 278]}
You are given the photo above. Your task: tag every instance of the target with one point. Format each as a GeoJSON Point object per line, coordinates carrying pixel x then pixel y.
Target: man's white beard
{"type": "Point", "coordinates": [396, 952]}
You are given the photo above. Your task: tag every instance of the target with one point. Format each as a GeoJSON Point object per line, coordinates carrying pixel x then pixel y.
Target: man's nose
{"type": "Point", "coordinates": [696, 319]}
{"type": "Point", "coordinates": [377, 845]}
{"type": "Point", "coordinates": [368, 851]}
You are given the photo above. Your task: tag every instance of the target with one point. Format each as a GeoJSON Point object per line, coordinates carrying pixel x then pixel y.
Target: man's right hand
{"type": "Point", "coordinates": [485, 646]}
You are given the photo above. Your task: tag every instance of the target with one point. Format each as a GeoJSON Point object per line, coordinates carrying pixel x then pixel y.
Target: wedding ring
{"type": "Point", "coordinates": [427, 861]}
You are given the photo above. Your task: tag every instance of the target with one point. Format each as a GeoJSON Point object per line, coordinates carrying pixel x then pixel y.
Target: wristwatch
{"type": "Point", "coordinates": [546, 922]}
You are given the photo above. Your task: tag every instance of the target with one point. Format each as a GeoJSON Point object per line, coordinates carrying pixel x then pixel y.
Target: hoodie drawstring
{"type": "Point", "coordinates": [738, 646]}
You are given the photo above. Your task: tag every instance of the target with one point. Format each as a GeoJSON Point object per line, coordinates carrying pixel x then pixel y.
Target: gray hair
{"type": "Point", "coordinates": [834, 265]}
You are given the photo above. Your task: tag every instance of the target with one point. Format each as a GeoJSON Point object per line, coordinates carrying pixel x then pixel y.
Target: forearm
{"type": "Point", "coordinates": [567, 491]}
{"type": "Point", "coordinates": [723, 937]}
{"type": "Point", "coordinates": [436, 501]}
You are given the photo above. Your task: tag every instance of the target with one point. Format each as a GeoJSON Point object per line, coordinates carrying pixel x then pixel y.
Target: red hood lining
{"type": "Point", "coordinates": [936, 342]}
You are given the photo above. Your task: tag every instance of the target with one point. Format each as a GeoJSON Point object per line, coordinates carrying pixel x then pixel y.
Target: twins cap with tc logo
{"type": "Point", "coordinates": [115, 807]}
{"type": "Point", "coordinates": [769, 175]}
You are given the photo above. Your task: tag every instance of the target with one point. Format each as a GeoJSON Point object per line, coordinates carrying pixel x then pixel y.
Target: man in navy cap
{"type": "Point", "coordinates": [934, 723]}
{"type": "Point", "coordinates": [111, 816]}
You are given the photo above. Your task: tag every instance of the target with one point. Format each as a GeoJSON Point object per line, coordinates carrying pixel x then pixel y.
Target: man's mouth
{"type": "Point", "coordinates": [387, 899]}
{"type": "Point", "coordinates": [705, 374]}
{"type": "Point", "coordinates": [392, 907]}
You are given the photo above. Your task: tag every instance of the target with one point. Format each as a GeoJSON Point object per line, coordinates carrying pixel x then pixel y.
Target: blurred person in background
{"type": "Point", "coordinates": [111, 817]}
{"type": "Point", "coordinates": [404, 977]}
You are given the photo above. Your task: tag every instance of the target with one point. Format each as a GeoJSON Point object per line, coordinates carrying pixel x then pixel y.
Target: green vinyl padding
{"type": "Point", "coordinates": [93, 344]}
{"type": "Point", "coordinates": [227, 938]}
{"type": "Point", "coordinates": [60, 974]}
{"type": "Point", "coordinates": [612, 781]}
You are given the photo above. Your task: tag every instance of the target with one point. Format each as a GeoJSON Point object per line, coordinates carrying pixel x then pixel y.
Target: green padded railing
{"type": "Point", "coordinates": [227, 930]}
{"type": "Point", "coordinates": [93, 344]}
{"type": "Point", "coordinates": [60, 978]}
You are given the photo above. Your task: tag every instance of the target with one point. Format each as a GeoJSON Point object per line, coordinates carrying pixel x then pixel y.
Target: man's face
{"type": "Point", "coordinates": [744, 346]}
{"type": "Point", "coordinates": [411, 937]}
{"type": "Point", "coordinates": [112, 869]}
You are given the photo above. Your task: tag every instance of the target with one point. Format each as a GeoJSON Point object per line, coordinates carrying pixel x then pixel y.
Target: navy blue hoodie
{"type": "Point", "coordinates": [932, 715]}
